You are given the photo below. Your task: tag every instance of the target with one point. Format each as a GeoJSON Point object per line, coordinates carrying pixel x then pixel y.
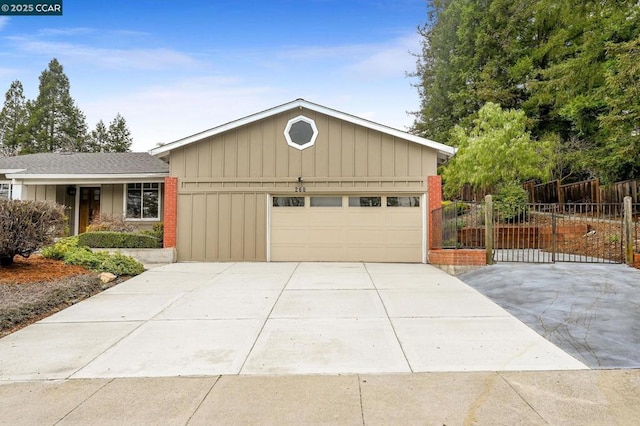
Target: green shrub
{"type": "Point", "coordinates": [25, 226]}
{"type": "Point", "coordinates": [119, 264]}
{"type": "Point", "coordinates": [109, 239]}
{"type": "Point", "coordinates": [511, 203]}
{"type": "Point", "coordinates": [157, 233]}
{"type": "Point", "coordinates": [69, 251]}
{"type": "Point", "coordinates": [102, 261]}
{"type": "Point", "coordinates": [83, 256]}
{"type": "Point", "coordinates": [60, 248]}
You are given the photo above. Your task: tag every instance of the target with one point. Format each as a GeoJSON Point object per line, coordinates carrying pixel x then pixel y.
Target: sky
{"type": "Point", "coordinates": [176, 68]}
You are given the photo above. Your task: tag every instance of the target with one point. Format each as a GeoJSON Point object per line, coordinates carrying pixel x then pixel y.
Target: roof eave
{"type": "Point", "coordinates": [107, 176]}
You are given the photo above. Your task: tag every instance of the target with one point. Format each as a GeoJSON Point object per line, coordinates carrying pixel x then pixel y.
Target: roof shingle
{"type": "Point", "coordinates": [82, 163]}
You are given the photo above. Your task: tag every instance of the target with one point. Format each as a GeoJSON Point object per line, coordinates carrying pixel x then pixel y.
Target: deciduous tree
{"type": "Point", "coordinates": [496, 150]}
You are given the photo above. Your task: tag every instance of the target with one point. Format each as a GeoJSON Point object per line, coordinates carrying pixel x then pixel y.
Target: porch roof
{"type": "Point", "coordinates": [83, 165]}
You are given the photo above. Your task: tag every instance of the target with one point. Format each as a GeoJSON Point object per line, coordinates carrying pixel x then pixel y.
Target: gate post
{"type": "Point", "coordinates": [488, 228]}
{"type": "Point", "coordinates": [628, 231]}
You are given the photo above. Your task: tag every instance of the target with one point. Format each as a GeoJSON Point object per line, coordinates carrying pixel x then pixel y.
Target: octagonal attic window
{"type": "Point", "coordinates": [301, 132]}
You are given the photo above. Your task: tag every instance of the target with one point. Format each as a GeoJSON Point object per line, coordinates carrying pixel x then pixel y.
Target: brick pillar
{"type": "Point", "coordinates": [434, 192]}
{"type": "Point", "coordinates": [170, 211]}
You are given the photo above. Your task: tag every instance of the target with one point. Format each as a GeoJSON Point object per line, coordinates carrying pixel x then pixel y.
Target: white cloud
{"type": "Point", "coordinates": [65, 32]}
{"type": "Point", "coordinates": [369, 61]}
{"type": "Point", "coordinates": [122, 59]}
{"type": "Point", "coordinates": [388, 60]}
{"type": "Point", "coordinates": [4, 20]}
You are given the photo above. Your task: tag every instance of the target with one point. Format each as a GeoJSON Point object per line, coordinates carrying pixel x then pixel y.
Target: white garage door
{"type": "Point", "coordinates": [380, 228]}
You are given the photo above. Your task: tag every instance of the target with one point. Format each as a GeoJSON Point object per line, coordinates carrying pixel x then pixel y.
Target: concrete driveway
{"type": "Point", "coordinates": [205, 319]}
{"type": "Point", "coordinates": [590, 310]}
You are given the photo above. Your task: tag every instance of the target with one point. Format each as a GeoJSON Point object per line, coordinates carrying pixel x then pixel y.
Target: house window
{"type": "Point", "coordinates": [143, 201]}
{"type": "Point", "coordinates": [301, 132]}
{"type": "Point", "coordinates": [5, 191]}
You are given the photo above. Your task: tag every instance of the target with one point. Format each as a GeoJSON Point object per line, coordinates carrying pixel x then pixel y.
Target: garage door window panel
{"type": "Point", "coordinates": [326, 201]}
{"type": "Point", "coordinates": [288, 201]}
{"type": "Point", "coordinates": [365, 201]}
{"type": "Point", "coordinates": [403, 201]}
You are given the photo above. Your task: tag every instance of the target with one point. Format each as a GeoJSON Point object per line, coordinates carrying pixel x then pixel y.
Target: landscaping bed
{"type": "Point", "coordinates": [36, 287]}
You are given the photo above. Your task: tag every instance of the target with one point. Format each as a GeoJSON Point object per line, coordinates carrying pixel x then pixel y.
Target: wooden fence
{"type": "Point", "coordinates": [588, 191]}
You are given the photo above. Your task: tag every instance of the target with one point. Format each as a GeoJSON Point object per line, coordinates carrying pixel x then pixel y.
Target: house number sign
{"type": "Point", "coordinates": [301, 189]}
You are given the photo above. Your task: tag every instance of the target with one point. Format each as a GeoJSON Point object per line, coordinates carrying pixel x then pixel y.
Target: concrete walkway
{"type": "Point", "coordinates": [213, 319]}
{"type": "Point", "coordinates": [585, 397]}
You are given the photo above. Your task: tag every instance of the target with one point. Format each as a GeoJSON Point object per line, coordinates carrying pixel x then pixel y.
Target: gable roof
{"type": "Point", "coordinates": [83, 164]}
{"type": "Point", "coordinates": [444, 151]}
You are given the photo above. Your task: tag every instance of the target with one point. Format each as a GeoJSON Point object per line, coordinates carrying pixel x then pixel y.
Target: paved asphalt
{"type": "Point", "coordinates": [591, 311]}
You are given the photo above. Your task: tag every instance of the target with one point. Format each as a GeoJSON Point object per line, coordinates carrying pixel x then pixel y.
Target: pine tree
{"type": "Point", "coordinates": [13, 120]}
{"type": "Point", "coordinates": [118, 137]}
{"type": "Point", "coordinates": [55, 121]}
{"type": "Point", "coordinates": [99, 138]}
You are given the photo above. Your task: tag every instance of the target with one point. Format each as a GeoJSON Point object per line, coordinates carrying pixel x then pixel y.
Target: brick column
{"type": "Point", "coordinates": [170, 211]}
{"type": "Point", "coordinates": [434, 194]}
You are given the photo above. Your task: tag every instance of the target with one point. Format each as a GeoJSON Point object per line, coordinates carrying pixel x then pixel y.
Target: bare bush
{"type": "Point", "coordinates": [25, 226]}
{"type": "Point", "coordinates": [107, 222]}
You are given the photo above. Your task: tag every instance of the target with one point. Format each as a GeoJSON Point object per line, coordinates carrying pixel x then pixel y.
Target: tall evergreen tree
{"type": "Point", "coordinates": [570, 65]}
{"type": "Point", "coordinates": [98, 138]}
{"type": "Point", "coordinates": [118, 137]}
{"type": "Point", "coordinates": [55, 121]}
{"type": "Point", "coordinates": [13, 120]}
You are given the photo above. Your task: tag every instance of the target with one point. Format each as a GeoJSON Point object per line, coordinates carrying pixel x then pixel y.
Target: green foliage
{"type": "Point", "coordinates": [71, 251]}
{"type": "Point", "coordinates": [510, 203]}
{"type": "Point", "coordinates": [60, 248]}
{"type": "Point", "coordinates": [157, 232]}
{"type": "Point", "coordinates": [571, 66]}
{"type": "Point", "coordinates": [13, 120]}
{"type": "Point", "coordinates": [25, 226]}
{"type": "Point", "coordinates": [497, 150]}
{"type": "Point", "coordinates": [117, 138]}
{"type": "Point", "coordinates": [83, 256]}
{"type": "Point", "coordinates": [120, 264]}
{"type": "Point", "coordinates": [102, 261]}
{"type": "Point", "coordinates": [108, 239]}
{"type": "Point", "coordinates": [55, 123]}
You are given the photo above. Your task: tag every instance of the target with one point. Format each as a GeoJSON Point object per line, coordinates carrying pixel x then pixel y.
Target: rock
{"type": "Point", "coordinates": [107, 277]}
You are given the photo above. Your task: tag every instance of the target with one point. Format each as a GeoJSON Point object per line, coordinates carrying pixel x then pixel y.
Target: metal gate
{"type": "Point", "coordinates": [546, 233]}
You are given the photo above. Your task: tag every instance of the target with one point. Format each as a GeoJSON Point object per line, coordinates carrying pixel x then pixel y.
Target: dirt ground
{"type": "Point", "coordinates": [37, 269]}
{"type": "Point", "coordinates": [36, 287]}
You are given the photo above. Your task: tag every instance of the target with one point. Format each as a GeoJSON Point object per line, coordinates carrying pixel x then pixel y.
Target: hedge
{"type": "Point", "coordinates": [106, 239]}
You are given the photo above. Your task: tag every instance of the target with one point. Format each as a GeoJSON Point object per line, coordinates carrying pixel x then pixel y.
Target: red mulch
{"type": "Point", "coordinates": [37, 269]}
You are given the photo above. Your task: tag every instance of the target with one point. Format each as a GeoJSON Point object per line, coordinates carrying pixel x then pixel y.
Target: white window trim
{"type": "Point", "coordinates": [147, 219]}
{"type": "Point", "coordinates": [8, 182]}
{"type": "Point", "coordinates": [294, 121]}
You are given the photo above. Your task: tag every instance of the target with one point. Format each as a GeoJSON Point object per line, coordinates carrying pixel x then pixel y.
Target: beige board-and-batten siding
{"type": "Point", "coordinates": [224, 180]}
